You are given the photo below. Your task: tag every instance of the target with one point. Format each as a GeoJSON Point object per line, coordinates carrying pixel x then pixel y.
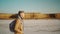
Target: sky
{"type": "Point", "coordinates": [41, 6]}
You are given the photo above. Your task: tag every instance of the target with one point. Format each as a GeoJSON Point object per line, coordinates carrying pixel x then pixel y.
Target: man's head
{"type": "Point", "coordinates": [21, 13]}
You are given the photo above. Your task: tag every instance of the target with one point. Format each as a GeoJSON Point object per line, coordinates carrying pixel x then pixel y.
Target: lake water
{"type": "Point", "coordinates": [41, 26]}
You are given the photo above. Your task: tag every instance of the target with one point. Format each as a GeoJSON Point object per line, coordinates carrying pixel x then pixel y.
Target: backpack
{"type": "Point", "coordinates": [12, 26]}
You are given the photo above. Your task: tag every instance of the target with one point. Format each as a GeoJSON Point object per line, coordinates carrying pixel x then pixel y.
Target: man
{"type": "Point", "coordinates": [19, 25]}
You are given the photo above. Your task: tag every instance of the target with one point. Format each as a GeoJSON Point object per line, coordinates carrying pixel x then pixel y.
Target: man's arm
{"type": "Point", "coordinates": [17, 25]}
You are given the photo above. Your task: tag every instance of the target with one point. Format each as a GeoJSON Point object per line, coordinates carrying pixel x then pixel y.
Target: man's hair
{"type": "Point", "coordinates": [20, 12]}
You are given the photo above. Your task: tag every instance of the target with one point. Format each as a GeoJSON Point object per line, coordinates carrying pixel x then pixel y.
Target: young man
{"type": "Point", "coordinates": [19, 25]}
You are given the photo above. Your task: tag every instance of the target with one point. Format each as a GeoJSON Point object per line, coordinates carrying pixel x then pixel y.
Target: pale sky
{"type": "Point", "coordinates": [42, 6]}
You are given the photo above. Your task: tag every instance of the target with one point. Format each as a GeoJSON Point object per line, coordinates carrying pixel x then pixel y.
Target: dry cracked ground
{"type": "Point", "coordinates": [41, 26]}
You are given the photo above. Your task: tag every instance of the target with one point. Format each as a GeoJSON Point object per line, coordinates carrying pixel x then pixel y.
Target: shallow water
{"type": "Point", "coordinates": [41, 26]}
